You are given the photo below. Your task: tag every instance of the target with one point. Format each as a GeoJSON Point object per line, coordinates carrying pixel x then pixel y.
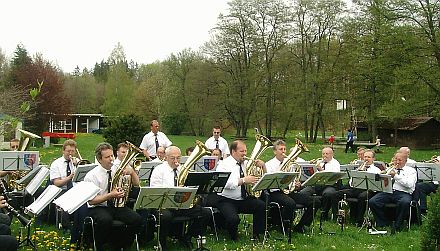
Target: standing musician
{"type": "Point", "coordinates": [234, 198]}
{"type": "Point", "coordinates": [328, 164]}
{"type": "Point", "coordinates": [7, 241]}
{"type": "Point", "coordinates": [288, 202]}
{"type": "Point", "coordinates": [153, 140]}
{"type": "Point", "coordinates": [360, 194]}
{"type": "Point", "coordinates": [217, 141]}
{"type": "Point", "coordinates": [166, 175]}
{"type": "Point", "coordinates": [101, 208]}
{"type": "Point", "coordinates": [405, 178]}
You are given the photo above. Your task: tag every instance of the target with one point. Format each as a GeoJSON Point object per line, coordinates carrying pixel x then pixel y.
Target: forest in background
{"type": "Point", "coordinates": [275, 65]}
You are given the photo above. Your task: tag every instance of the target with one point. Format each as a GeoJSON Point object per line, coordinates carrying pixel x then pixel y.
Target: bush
{"type": "Point", "coordinates": [124, 128]}
{"type": "Point", "coordinates": [431, 228]}
{"type": "Point", "coordinates": [175, 123]}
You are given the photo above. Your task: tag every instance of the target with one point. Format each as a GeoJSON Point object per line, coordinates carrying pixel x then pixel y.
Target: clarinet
{"type": "Point", "coordinates": [23, 220]}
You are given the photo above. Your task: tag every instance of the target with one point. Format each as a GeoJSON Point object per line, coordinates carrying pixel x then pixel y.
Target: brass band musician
{"type": "Point", "coordinates": [7, 241]}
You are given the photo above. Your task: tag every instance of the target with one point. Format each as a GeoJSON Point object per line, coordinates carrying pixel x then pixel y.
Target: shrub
{"type": "Point", "coordinates": [124, 128]}
{"type": "Point", "coordinates": [431, 228]}
{"type": "Point", "coordinates": [175, 123]}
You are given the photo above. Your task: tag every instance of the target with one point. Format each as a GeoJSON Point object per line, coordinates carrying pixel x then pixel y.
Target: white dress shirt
{"type": "Point", "coordinates": [222, 145]}
{"type": "Point", "coordinates": [410, 161]}
{"type": "Point", "coordinates": [99, 177]}
{"type": "Point", "coordinates": [232, 190]}
{"type": "Point", "coordinates": [149, 142]}
{"type": "Point", "coordinates": [406, 180]}
{"type": "Point", "coordinates": [163, 175]}
{"type": "Point", "coordinates": [58, 169]}
{"type": "Point", "coordinates": [273, 165]}
{"type": "Point", "coordinates": [371, 169]}
{"type": "Point", "coordinates": [331, 166]}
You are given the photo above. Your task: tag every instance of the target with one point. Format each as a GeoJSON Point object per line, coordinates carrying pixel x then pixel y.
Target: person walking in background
{"type": "Point", "coordinates": [350, 141]}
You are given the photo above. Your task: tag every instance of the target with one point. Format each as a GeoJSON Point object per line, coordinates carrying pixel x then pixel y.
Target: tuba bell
{"type": "Point", "coordinates": [289, 160]}
{"type": "Point", "coordinates": [25, 138]}
{"type": "Point", "coordinates": [251, 168]}
{"type": "Point", "coordinates": [199, 151]}
{"type": "Point", "coordinates": [124, 181]}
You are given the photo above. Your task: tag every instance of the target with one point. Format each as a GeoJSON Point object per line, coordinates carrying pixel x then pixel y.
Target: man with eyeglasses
{"type": "Point", "coordinates": [153, 140]}
{"type": "Point", "coordinates": [218, 142]}
{"type": "Point", "coordinates": [166, 175]}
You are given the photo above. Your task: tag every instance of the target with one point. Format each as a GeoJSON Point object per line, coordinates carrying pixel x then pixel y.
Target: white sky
{"type": "Point", "coordinates": [83, 32]}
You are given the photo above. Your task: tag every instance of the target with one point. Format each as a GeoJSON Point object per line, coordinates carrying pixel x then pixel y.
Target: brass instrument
{"type": "Point", "coordinates": [434, 159]}
{"type": "Point", "coordinates": [343, 208]}
{"type": "Point", "coordinates": [124, 181]}
{"type": "Point", "coordinates": [289, 160]}
{"type": "Point", "coordinates": [362, 167]}
{"type": "Point", "coordinates": [25, 139]}
{"type": "Point", "coordinates": [81, 161]}
{"type": "Point", "coordinates": [199, 151]}
{"type": "Point", "coordinates": [388, 170]}
{"type": "Point", "coordinates": [23, 220]}
{"type": "Point", "coordinates": [251, 168]}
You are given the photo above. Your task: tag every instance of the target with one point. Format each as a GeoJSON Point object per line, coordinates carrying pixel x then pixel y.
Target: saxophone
{"type": "Point", "coordinates": [289, 160]}
{"type": "Point", "coordinates": [124, 181]}
{"type": "Point", "coordinates": [251, 168]}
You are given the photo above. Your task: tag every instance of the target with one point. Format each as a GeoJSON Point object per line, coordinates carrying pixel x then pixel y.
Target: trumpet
{"type": "Point", "coordinates": [389, 169]}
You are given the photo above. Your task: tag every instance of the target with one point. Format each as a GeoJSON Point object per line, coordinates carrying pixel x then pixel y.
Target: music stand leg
{"type": "Point", "coordinates": [367, 221]}
{"type": "Point", "coordinates": [159, 246]}
{"type": "Point", "coordinates": [27, 241]}
{"type": "Point", "coordinates": [266, 232]}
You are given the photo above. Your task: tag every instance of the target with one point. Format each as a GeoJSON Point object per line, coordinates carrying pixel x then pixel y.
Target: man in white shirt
{"type": "Point", "coordinates": [289, 201]}
{"type": "Point", "coordinates": [234, 198]}
{"type": "Point", "coordinates": [101, 207]}
{"type": "Point", "coordinates": [63, 168]}
{"type": "Point", "coordinates": [405, 178]}
{"type": "Point", "coordinates": [217, 141]}
{"type": "Point", "coordinates": [166, 175]}
{"type": "Point", "coordinates": [153, 140]}
{"type": "Point", "coordinates": [328, 164]}
{"type": "Point", "coordinates": [160, 154]}
{"type": "Point", "coordinates": [361, 194]}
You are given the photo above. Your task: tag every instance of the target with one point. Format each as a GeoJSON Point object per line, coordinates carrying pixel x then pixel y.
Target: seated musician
{"type": "Point", "coordinates": [360, 194]}
{"type": "Point", "coordinates": [288, 201]}
{"type": "Point", "coordinates": [160, 154]}
{"type": "Point", "coordinates": [328, 164]}
{"type": "Point", "coordinates": [405, 178]}
{"type": "Point", "coordinates": [166, 175]}
{"type": "Point", "coordinates": [101, 207]}
{"type": "Point", "coordinates": [406, 150]}
{"type": "Point", "coordinates": [234, 198]}
{"type": "Point", "coordinates": [7, 241]}
{"type": "Point", "coordinates": [426, 188]}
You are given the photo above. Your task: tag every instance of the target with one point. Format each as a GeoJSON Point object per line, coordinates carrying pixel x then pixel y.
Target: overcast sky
{"type": "Point", "coordinates": [80, 32]}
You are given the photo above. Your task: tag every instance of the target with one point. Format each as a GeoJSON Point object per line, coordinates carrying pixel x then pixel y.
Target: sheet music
{"type": "Point", "coordinates": [81, 172]}
{"type": "Point", "coordinates": [30, 175]}
{"type": "Point", "coordinates": [146, 169]}
{"type": "Point", "coordinates": [165, 197]}
{"type": "Point", "coordinates": [19, 160]}
{"type": "Point", "coordinates": [427, 171]}
{"type": "Point", "coordinates": [77, 196]}
{"type": "Point", "coordinates": [279, 180]}
{"type": "Point", "coordinates": [36, 182]}
{"type": "Point", "coordinates": [44, 199]}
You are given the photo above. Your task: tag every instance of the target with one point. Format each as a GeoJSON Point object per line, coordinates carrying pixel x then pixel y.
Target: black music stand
{"type": "Point", "coordinates": [30, 175]}
{"type": "Point", "coordinates": [207, 182]}
{"type": "Point", "coordinates": [326, 179]}
{"type": "Point", "coordinates": [164, 198]}
{"type": "Point", "coordinates": [427, 171]}
{"type": "Point", "coordinates": [307, 170]}
{"type": "Point", "coordinates": [279, 180]}
{"type": "Point", "coordinates": [81, 171]}
{"type": "Point", "coordinates": [370, 182]}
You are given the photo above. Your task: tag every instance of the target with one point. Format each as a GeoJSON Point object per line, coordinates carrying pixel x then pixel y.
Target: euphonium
{"type": "Point", "coordinates": [124, 181]}
{"type": "Point", "coordinates": [251, 168]}
{"type": "Point", "coordinates": [199, 151]}
{"type": "Point", "coordinates": [289, 160]}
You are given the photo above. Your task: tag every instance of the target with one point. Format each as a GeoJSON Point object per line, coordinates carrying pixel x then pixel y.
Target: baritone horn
{"type": "Point", "coordinates": [25, 138]}
{"type": "Point", "coordinates": [251, 168]}
{"type": "Point", "coordinates": [289, 160]}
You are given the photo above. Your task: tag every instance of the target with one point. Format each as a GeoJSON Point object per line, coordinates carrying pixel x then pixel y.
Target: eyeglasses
{"type": "Point", "coordinates": [216, 132]}
{"type": "Point", "coordinates": [14, 147]}
{"type": "Point", "coordinates": [174, 158]}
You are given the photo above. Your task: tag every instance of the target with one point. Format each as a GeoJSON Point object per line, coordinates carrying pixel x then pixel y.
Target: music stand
{"type": "Point", "coordinates": [81, 171]}
{"type": "Point", "coordinates": [212, 182]}
{"type": "Point", "coordinates": [427, 172]}
{"type": "Point", "coordinates": [30, 175]}
{"type": "Point", "coordinates": [278, 180]}
{"type": "Point", "coordinates": [370, 181]}
{"type": "Point", "coordinates": [77, 196]}
{"type": "Point", "coordinates": [36, 182]}
{"type": "Point", "coordinates": [146, 170]}
{"type": "Point", "coordinates": [206, 164]}
{"type": "Point", "coordinates": [307, 171]}
{"type": "Point", "coordinates": [164, 198]}
{"type": "Point", "coordinates": [322, 178]}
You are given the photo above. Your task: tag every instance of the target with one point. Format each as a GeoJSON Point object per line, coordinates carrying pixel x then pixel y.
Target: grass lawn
{"type": "Point", "coordinates": [48, 238]}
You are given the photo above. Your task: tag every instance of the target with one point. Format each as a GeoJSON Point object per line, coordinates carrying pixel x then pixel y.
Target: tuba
{"type": "Point", "coordinates": [251, 168]}
{"type": "Point", "coordinates": [289, 160]}
{"type": "Point", "coordinates": [199, 151]}
{"type": "Point", "coordinates": [25, 139]}
{"type": "Point", "coordinates": [124, 181]}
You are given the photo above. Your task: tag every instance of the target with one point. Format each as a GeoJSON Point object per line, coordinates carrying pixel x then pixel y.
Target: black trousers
{"type": "Point", "coordinates": [7, 242]}
{"type": "Point", "coordinates": [424, 189]}
{"type": "Point", "coordinates": [230, 209]}
{"type": "Point", "coordinates": [328, 194]}
{"type": "Point", "coordinates": [104, 216]}
{"type": "Point", "coordinates": [199, 215]}
{"type": "Point", "coordinates": [349, 145]}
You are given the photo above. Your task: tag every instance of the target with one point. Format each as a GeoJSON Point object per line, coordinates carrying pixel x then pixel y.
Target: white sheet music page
{"type": "Point", "coordinates": [77, 196]}
{"type": "Point", "coordinates": [36, 182]}
{"type": "Point", "coordinates": [44, 199]}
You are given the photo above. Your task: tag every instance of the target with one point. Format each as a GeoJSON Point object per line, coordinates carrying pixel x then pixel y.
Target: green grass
{"type": "Point", "coordinates": [349, 239]}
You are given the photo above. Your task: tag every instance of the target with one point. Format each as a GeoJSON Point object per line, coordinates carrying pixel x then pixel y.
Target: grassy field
{"type": "Point", "coordinates": [47, 238]}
